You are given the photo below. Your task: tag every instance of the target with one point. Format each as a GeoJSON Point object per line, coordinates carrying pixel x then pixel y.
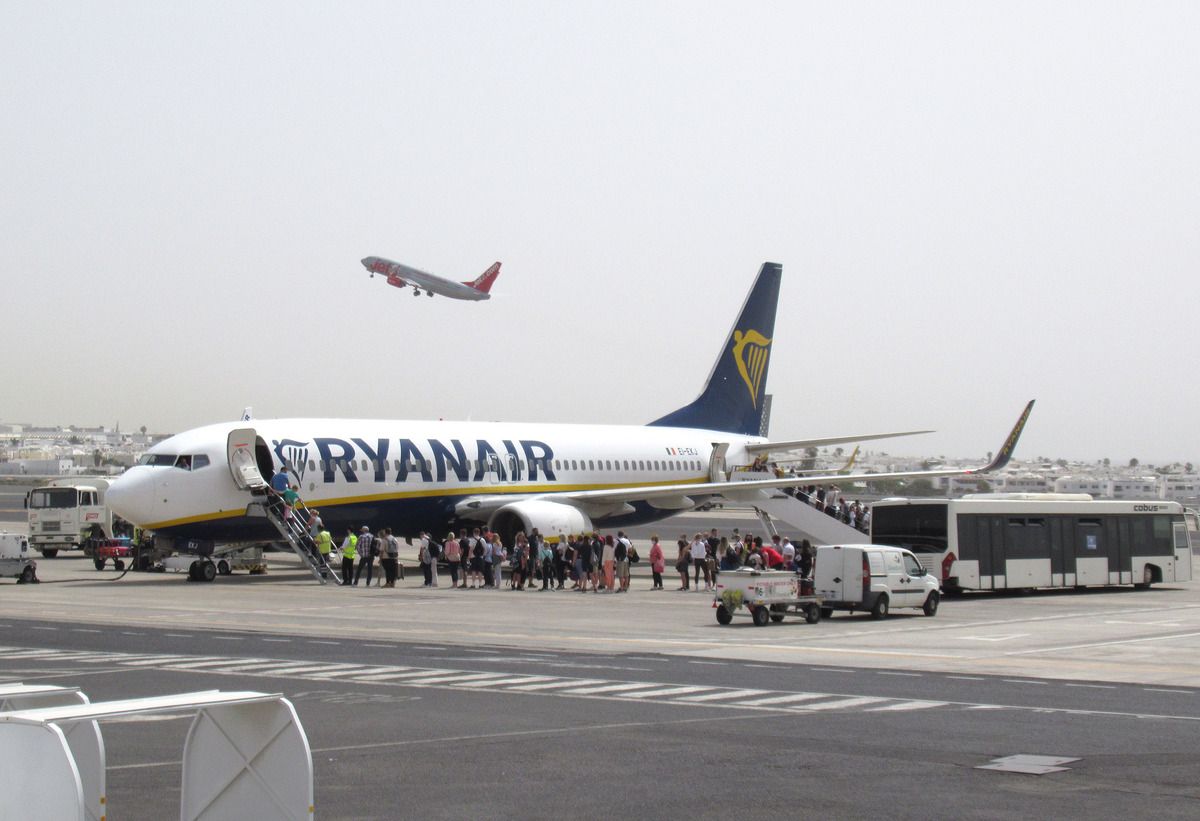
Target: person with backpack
{"type": "Point", "coordinates": [546, 554]}
{"type": "Point", "coordinates": [391, 557]}
{"type": "Point", "coordinates": [476, 551]}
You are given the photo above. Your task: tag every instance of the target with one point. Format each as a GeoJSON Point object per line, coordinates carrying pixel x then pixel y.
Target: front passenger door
{"type": "Point", "coordinates": [914, 581]}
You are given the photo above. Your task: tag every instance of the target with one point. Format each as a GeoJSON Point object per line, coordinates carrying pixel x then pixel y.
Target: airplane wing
{"type": "Point", "coordinates": [684, 496]}
{"type": "Point", "coordinates": [796, 444]}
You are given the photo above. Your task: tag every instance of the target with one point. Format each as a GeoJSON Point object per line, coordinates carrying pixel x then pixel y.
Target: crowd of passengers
{"type": "Point", "coordinates": [584, 562]}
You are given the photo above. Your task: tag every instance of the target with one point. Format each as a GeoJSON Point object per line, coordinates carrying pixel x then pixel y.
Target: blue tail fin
{"type": "Point", "coordinates": [733, 398]}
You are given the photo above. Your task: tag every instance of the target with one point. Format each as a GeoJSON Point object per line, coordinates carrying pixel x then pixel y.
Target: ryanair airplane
{"type": "Point", "coordinates": [204, 487]}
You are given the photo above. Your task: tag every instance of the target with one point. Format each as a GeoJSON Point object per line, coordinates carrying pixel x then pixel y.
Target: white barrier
{"type": "Point", "coordinates": [246, 756]}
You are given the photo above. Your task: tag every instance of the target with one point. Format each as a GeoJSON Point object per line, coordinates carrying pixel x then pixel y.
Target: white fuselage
{"type": "Point", "coordinates": [412, 475]}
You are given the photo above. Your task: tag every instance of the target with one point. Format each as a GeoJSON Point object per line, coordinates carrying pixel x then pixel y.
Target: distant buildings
{"type": "Point", "coordinates": [38, 450]}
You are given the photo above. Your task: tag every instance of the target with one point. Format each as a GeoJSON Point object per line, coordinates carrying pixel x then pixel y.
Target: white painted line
{"type": "Point", "coordinates": [1094, 686]}
{"type": "Point", "coordinates": [419, 647]}
{"type": "Point", "coordinates": [907, 705]}
{"type": "Point", "coordinates": [967, 678]}
{"type": "Point", "coordinates": [1101, 644]}
{"type": "Point", "coordinates": [266, 669]}
{"type": "Point", "coordinates": [762, 702]}
{"type": "Point", "coordinates": [476, 679]}
{"type": "Point", "coordinates": [830, 670]}
{"type": "Point", "coordinates": [43, 628]}
{"type": "Point", "coordinates": [839, 704]}
{"type": "Point", "coordinates": [131, 633]}
{"type": "Point", "coordinates": [339, 673]}
{"type": "Point", "coordinates": [334, 643]}
{"type": "Point", "coordinates": [1009, 637]}
{"type": "Point", "coordinates": [670, 691]}
{"type": "Point", "coordinates": [196, 665]}
{"type": "Point", "coordinates": [279, 641]}
{"type": "Point", "coordinates": [1160, 690]}
{"type": "Point", "coordinates": [566, 682]}
{"type": "Point", "coordinates": [153, 660]}
{"type": "Point", "coordinates": [712, 663]}
{"type": "Point", "coordinates": [611, 688]}
{"type": "Point", "coordinates": [394, 676]}
{"type": "Point", "coordinates": [178, 635]}
{"type": "Point", "coordinates": [507, 681]}
{"type": "Point", "coordinates": [908, 675]}
{"type": "Point", "coordinates": [729, 694]}
{"type": "Point", "coordinates": [1022, 681]}
{"type": "Point", "coordinates": [384, 646]}
{"type": "Point", "coordinates": [327, 668]}
{"type": "Point", "coordinates": [84, 630]}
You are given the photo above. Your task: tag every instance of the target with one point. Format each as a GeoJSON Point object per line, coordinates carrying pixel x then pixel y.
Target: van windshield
{"type": "Point", "coordinates": [59, 497]}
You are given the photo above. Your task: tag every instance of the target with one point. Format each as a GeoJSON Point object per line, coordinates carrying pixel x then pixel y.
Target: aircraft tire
{"type": "Point", "coordinates": [207, 571]}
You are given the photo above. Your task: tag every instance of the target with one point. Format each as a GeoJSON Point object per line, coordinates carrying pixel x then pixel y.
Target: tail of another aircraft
{"type": "Point", "coordinates": [733, 398]}
{"type": "Point", "coordinates": [484, 283]}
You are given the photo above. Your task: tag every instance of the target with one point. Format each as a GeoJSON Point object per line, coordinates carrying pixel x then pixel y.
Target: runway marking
{"type": "Point", "coordinates": [830, 670]}
{"type": "Point", "coordinates": [1100, 644]}
{"type": "Point", "coordinates": [1161, 690]}
{"type": "Point", "coordinates": [646, 692]}
{"type": "Point", "coordinates": [890, 673]}
{"type": "Point", "coordinates": [968, 678]}
{"type": "Point", "coordinates": [280, 641]}
{"type": "Point", "coordinates": [1022, 681]}
{"type": "Point", "coordinates": [1094, 686]}
{"type": "Point", "coordinates": [84, 630]}
{"type": "Point", "coordinates": [383, 646]}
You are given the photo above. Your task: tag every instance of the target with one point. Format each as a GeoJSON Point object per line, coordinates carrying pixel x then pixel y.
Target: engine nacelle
{"type": "Point", "coordinates": [552, 519]}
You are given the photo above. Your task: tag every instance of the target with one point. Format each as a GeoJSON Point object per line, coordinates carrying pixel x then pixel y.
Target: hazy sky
{"type": "Point", "coordinates": [974, 205]}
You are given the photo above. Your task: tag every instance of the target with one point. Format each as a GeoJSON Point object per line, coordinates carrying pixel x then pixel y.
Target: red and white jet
{"type": "Point", "coordinates": [402, 276]}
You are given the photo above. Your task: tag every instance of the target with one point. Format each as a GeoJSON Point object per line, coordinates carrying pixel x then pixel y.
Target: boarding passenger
{"type": "Point", "coordinates": [291, 498]}
{"type": "Point", "coordinates": [367, 551]}
{"type": "Point", "coordinates": [349, 552]}
{"type": "Point", "coordinates": [621, 550]}
{"type": "Point", "coordinates": [699, 554]}
{"type": "Point", "coordinates": [560, 560]}
{"type": "Point", "coordinates": [497, 561]}
{"type": "Point", "coordinates": [683, 562]}
{"type": "Point", "coordinates": [428, 563]}
{"type": "Point", "coordinates": [279, 482]}
{"type": "Point", "coordinates": [453, 554]}
{"type": "Point", "coordinates": [391, 557]}
{"type": "Point", "coordinates": [464, 548]}
{"type": "Point", "coordinates": [546, 554]}
{"type": "Point", "coordinates": [477, 552]}
{"type": "Point", "coordinates": [608, 557]}
{"type": "Point", "coordinates": [314, 523]}
{"type": "Point", "coordinates": [657, 563]}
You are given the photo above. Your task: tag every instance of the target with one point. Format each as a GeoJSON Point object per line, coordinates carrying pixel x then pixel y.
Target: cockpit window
{"type": "Point", "coordinates": [199, 461]}
{"type": "Point", "coordinates": [161, 460]}
{"type": "Point", "coordinates": [184, 462]}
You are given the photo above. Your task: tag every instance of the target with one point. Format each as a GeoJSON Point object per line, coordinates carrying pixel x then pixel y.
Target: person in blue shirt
{"type": "Point", "coordinates": [279, 482]}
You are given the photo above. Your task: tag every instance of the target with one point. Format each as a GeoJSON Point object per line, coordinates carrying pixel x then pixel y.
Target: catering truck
{"type": "Point", "coordinates": [65, 513]}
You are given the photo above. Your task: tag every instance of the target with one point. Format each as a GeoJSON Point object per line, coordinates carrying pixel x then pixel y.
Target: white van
{"type": "Point", "coordinates": [872, 577]}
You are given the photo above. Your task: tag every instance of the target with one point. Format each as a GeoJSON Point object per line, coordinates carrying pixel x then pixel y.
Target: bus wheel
{"type": "Point", "coordinates": [880, 610]}
{"type": "Point", "coordinates": [761, 616]}
{"type": "Point", "coordinates": [223, 568]}
{"type": "Point", "coordinates": [723, 615]}
{"type": "Point", "coordinates": [1147, 578]}
{"type": "Point", "coordinates": [931, 604]}
{"type": "Point", "coordinates": [50, 552]}
{"type": "Point", "coordinates": [99, 563]}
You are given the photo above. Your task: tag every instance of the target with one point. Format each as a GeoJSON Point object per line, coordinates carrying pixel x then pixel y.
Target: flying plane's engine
{"type": "Point", "coordinates": [550, 518]}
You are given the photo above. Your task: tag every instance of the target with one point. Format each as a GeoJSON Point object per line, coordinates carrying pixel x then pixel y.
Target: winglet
{"type": "Point", "coordinates": [1005, 453]}
{"type": "Point", "coordinates": [485, 280]}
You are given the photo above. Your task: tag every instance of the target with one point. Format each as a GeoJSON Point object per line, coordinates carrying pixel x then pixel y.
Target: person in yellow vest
{"type": "Point", "coordinates": [324, 544]}
{"type": "Point", "coordinates": [349, 553]}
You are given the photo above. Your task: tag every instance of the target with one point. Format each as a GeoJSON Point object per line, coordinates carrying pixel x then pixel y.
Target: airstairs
{"type": "Point", "coordinates": [293, 531]}
{"type": "Point", "coordinates": [773, 505]}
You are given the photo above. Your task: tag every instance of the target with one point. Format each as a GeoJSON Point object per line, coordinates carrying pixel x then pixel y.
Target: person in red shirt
{"type": "Point", "coordinates": [773, 558]}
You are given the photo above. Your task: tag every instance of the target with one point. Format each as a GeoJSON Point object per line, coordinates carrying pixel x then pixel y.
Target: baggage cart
{"type": "Point", "coordinates": [767, 595]}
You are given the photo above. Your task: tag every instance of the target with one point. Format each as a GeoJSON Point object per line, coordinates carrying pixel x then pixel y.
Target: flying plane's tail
{"type": "Point", "coordinates": [484, 283]}
{"type": "Point", "coordinates": [734, 396]}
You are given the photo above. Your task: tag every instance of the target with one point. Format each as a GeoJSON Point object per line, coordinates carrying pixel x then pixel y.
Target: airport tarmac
{"type": "Point", "coordinates": [1104, 634]}
{"type": "Point", "coordinates": [454, 703]}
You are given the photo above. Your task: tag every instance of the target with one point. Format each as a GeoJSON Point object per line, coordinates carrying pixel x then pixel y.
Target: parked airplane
{"type": "Point", "coordinates": [206, 485]}
{"type": "Point", "coordinates": [402, 276]}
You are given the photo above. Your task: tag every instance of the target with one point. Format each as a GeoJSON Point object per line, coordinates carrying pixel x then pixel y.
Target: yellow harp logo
{"type": "Point", "coordinates": [750, 352]}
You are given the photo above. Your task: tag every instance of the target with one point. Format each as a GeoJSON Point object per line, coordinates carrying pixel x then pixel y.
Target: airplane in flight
{"type": "Point", "coordinates": [403, 276]}
{"type": "Point", "coordinates": [205, 487]}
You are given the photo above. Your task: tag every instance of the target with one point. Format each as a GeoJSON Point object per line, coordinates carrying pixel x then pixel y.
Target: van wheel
{"type": "Point", "coordinates": [826, 612]}
{"type": "Point", "coordinates": [931, 604]}
{"type": "Point", "coordinates": [723, 615]}
{"type": "Point", "coordinates": [812, 614]}
{"type": "Point", "coordinates": [761, 616]}
{"type": "Point", "coordinates": [880, 610]}
{"type": "Point", "coordinates": [99, 563]}
{"type": "Point", "coordinates": [27, 575]}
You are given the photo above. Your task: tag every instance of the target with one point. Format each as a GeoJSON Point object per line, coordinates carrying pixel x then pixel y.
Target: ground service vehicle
{"type": "Point", "coordinates": [64, 514]}
{"type": "Point", "coordinates": [871, 577]}
{"type": "Point", "coordinates": [768, 595]}
{"type": "Point", "coordinates": [14, 558]}
{"type": "Point", "coordinates": [1028, 540]}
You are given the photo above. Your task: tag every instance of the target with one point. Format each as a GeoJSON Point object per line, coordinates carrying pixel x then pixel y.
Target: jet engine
{"type": "Point", "coordinates": [550, 518]}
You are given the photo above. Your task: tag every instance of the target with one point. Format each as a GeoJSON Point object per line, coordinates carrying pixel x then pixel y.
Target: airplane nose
{"type": "Point", "coordinates": [131, 495]}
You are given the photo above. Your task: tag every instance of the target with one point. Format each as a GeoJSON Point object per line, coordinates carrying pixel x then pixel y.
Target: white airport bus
{"type": "Point", "coordinates": [1025, 540]}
